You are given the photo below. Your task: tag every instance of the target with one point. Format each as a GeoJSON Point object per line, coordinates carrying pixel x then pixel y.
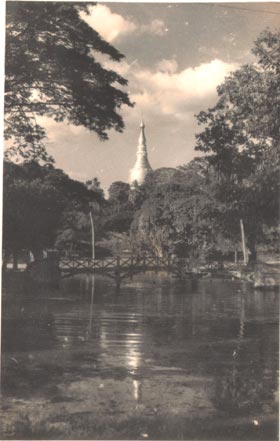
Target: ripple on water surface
{"type": "Point", "coordinates": [159, 359]}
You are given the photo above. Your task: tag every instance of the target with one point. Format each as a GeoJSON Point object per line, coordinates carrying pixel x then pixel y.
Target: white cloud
{"type": "Point", "coordinates": [106, 23]}
{"type": "Point", "coordinates": [168, 91]}
{"type": "Point", "coordinates": [112, 26]}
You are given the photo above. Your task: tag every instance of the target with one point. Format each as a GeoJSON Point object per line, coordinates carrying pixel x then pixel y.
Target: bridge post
{"type": "Point", "coordinates": [118, 278]}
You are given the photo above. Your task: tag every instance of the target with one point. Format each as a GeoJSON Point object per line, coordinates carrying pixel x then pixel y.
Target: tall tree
{"type": "Point", "coordinates": [119, 195]}
{"type": "Point", "coordinates": [243, 127]}
{"type": "Point", "coordinates": [51, 70]}
{"type": "Point", "coordinates": [242, 139]}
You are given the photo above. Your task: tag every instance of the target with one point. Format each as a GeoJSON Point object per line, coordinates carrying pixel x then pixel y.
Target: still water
{"type": "Point", "coordinates": [156, 359]}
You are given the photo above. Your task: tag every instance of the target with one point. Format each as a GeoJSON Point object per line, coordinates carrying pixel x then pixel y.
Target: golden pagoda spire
{"type": "Point", "coordinates": [142, 165]}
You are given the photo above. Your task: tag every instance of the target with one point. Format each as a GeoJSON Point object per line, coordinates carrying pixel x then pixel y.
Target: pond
{"type": "Point", "coordinates": [158, 358]}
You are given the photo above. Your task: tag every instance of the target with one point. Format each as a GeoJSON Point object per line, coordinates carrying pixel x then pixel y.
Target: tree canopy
{"type": "Point", "coordinates": [178, 212]}
{"type": "Point", "coordinates": [243, 128]}
{"type": "Point", "coordinates": [241, 140]}
{"type": "Point", "coordinates": [43, 207]}
{"type": "Point", "coordinates": [119, 195]}
{"type": "Point", "coordinates": [51, 70]}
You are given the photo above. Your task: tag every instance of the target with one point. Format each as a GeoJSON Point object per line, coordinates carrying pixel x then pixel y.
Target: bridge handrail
{"type": "Point", "coordinates": [116, 262]}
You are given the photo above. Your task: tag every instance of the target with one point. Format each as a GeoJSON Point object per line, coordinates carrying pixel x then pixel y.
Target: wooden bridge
{"type": "Point", "coordinates": [51, 269]}
{"type": "Point", "coordinates": [116, 267]}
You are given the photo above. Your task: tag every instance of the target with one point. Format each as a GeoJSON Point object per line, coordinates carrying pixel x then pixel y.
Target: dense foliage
{"type": "Point", "coordinates": [51, 70]}
{"type": "Point", "coordinates": [179, 214]}
{"type": "Point", "coordinates": [44, 208]}
{"type": "Point", "coordinates": [241, 141]}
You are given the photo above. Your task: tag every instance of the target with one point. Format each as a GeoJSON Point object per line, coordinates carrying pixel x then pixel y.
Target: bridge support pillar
{"type": "Point", "coordinates": [118, 278]}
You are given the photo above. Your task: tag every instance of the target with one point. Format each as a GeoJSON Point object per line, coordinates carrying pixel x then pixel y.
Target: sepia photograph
{"type": "Point", "coordinates": [140, 221]}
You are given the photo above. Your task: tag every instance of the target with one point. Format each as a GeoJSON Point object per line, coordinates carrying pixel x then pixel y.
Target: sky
{"type": "Point", "coordinates": [175, 57]}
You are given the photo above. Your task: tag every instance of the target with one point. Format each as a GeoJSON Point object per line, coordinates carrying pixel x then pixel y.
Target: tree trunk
{"type": "Point", "coordinates": [252, 249]}
{"type": "Point", "coordinates": [92, 236]}
{"type": "Point", "coordinates": [245, 256]}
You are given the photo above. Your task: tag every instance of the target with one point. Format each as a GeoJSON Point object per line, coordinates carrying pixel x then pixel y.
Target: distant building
{"type": "Point", "coordinates": [142, 166]}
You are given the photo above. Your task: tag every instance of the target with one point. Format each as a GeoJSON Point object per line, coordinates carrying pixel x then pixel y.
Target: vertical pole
{"type": "Point", "coordinates": [92, 236]}
{"type": "Point", "coordinates": [235, 256]}
{"type": "Point", "coordinates": [243, 242]}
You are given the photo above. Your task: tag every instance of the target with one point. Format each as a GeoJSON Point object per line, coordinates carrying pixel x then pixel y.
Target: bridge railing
{"type": "Point", "coordinates": [68, 263]}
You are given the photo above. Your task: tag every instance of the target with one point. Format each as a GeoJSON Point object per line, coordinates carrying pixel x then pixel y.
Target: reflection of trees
{"type": "Point", "coordinates": [250, 381]}
{"type": "Point", "coordinates": [74, 320]}
{"type": "Point", "coordinates": [89, 330]}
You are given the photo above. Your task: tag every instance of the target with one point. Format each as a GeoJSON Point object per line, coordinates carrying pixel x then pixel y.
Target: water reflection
{"type": "Point", "coordinates": [91, 304]}
{"type": "Point", "coordinates": [159, 353]}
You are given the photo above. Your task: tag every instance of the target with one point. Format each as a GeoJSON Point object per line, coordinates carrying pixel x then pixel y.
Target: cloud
{"type": "Point", "coordinates": [106, 23]}
{"type": "Point", "coordinates": [192, 82]}
{"type": "Point", "coordinates": [163, 92]}
{"type": "Point", "coordinates": [167, 66]}
{"type": "Point", "coordinates": [156, 27]}
{"type": "Point", "coordinates": [166, 90]}
{"type": "Point", "coordinates": [112, 26]}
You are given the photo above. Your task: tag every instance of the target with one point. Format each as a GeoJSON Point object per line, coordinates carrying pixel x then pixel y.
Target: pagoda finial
{"type": "Point", "coordinates": [142, 125]}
